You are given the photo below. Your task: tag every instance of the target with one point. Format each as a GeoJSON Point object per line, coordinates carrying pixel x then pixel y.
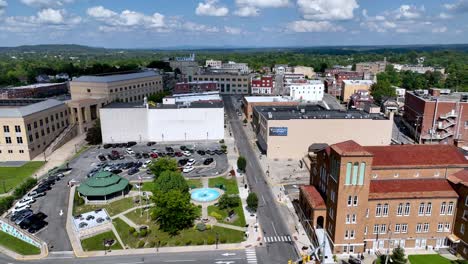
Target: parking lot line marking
{"type": "Point", "coordinates": [181, 260]}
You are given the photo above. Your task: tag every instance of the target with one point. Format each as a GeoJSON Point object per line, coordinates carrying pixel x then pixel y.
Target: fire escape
{"type": "Point", "coordinates": [444, 128]}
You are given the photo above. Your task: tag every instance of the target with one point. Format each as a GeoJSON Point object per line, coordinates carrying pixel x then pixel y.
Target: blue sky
{"type": "Point", "coordinates": [243, 23]}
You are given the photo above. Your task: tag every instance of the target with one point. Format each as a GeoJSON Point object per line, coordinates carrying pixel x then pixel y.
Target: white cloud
{"type": "Point", "coordinates": [313, 26]}
{"type": "Point", "coordinates": [460, 6]}
{"type": "Point", "coordinates": [3, 6]}
{"type": "Point", "coordinates": [263, 3]}
{"type": "Point", "coordinates": [232, 30]}
{"type": "Point", "coordinates": [210, 8]}
{"type": "Point", "coordinates": [191, 26]}
{"type": "Point", "coordinates": [444, 15]}
{"type": "Point", "coordinates": [439, 29]}
{"type": "Point", "coordinates": [327, 9]}
{"type": "Point", "coordinates": [126, 18]}
{"type": "Point", "coordinates": [408, 12]}
{"type": "Point", "coordinates": [46, 3]}
{"type": "Point", "coordinates": [247, 11]}
{"type": "Point", "coordinates": [57, 19]}
{"type": "Point", "coordinates": [51, 16]}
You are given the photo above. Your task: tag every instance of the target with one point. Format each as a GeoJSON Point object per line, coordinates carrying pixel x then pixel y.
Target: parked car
{"type": "Point", "coordinates": [187, 153]}
{"type": "Point", "coordinates": [208, 161]}
{"type": "Point", "coordinates": [146, 164]}
{"type": "Point", "coordinates": [183, 148]}
{"type": "Point", "coordinates": [116, 171]}
{"type": "Point", "coordinates": [133, 171]}
{"type": "Point", "coordinates": [111, 157]}
{"type": "Point", "coordinates": [178, 154]}
{"type": "Point", "coordinates": [27, 200]}
{"type": "Point", "coordinates": [34, 194]}
{"type": "Point", "coordinates": [93, 172]}
{"type": "Point", "coordinates": [131, 144]}
{"type": "Point", "coordinates": [209, 152]}
{"type": "Point", "coordinates": [201, 152]}
{"type": "Point", "coordinates": [170, 154]}
{"type": "Point", "coordinates": [129, 151]}
{"type": "Point", "coordinates": [145, 155]}
{"type": "Point", "coordinates": [169, 149]}
{"type": "Point", "coordinates": [106, 146]}
{"type": "Point", "coordinates": [182, 162]}
{"type": "Point", "coordinates": [121, 145]}
{"type": "Point", "coordinates": [128, 165]}
{"type": "Point", "coordinates": [20, 207]}
{"type": "Point", "coordinates": [151, 143]}
{"type": "Point", "coordinates": [190, 162]}
{"type": "Point", "coordinates": [219, 152]}
{"type": "Point", "coordinates": [20, 214]}
{"type": "Point", "coordinates": [138, 164]}
{"type": "Point", "coordinates": [102, 157]}
{"type": "Point", "coordinates": [154, 155]}
{"type": "Point", "coordinates": [42, 190]}
{"type": "Point", "coordinates": [188, 169]}
{"type": "Point", "coordinates": [36, 226]}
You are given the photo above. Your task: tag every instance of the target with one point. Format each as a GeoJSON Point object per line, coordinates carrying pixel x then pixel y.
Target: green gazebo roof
{"type": "Point", "coordinates": [103, 183]}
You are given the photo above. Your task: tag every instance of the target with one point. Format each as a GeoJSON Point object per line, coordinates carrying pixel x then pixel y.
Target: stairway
{"type": "Point", "coordinates": [322, 237]}
{"type": "Point", "coordinates": [62, 138]}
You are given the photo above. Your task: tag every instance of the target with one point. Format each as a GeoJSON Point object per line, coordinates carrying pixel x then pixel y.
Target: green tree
{"type": "Point", "coordinates": [170, 180]}
{"type": "Point", "coordinates": [158, 97]}
{"type": "Point", "coordinates": [252, 201]}
{"type": "Point", "coordinates": [162, 65]}
{"type": "Point", "coordinates": [228, 201]}
{"type": "Point", "coordinates": [398, 256]}
{"type": "Point", "coordinates": [382, 89]}
{"type": "Point", "coordinates": [163, 164]}
{"type": "Point", "coordinates": [241, 163]}
{"type": "Point", "coordinates": [173, 211]}
{"type": "Point", "coordinates": [93, 135]}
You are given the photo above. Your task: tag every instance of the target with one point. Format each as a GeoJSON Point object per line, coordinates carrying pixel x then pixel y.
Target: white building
{"type": "Point", "coordinates": [195, 121]}
{"type": "Point", "coordinates": [282, 69]}
{"type": "Point", "coordinates": [232, 66]}
{"type": "Point", "coordinates": [215, 64]}
{"type": "Point", "coordinates": [306, 71]}
{"type": "Point", "coordinates": [309, 91]}
{"type": "Point", "coordinates": [421, 69]}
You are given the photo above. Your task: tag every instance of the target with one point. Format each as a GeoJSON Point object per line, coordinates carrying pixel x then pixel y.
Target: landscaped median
{"type": "Point", "coordinates": [221, 212]}
{"type": "Point", "coordinates": [16, 245]}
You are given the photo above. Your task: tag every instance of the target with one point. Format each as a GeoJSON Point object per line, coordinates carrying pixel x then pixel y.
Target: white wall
{"type": "Point", "coordinates": [191, 124]}
{"type": "Point", "coordinates": [119, 125]}
{"type": "Point", "coordinates": [307, 91]}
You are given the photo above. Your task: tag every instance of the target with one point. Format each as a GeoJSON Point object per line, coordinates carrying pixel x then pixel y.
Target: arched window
{"type": "Point", "coordinates": [428, 208]}
{"type": "Point", "coordinates": [348, 173]}
{"type": "Point", "coordinates": [378, 210]}
{"type": "Point", "coordinates": [385, 210]}
{"type": "Point", "coordinates": [400, 209]}
{"type": "Point", "coordinates": [407, 209]}
{"type": "Point", "coordinates": [421, 209]}
{"type": "Point", "coordinates": [355, 173]}
{"type": "Point", "coordinates": [362, 171]}
{"type": "Point", "coordinates": [443, 207]}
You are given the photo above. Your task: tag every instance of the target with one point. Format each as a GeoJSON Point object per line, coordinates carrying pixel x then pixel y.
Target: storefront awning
{"type": "Point", "coordinates": [453, 238]}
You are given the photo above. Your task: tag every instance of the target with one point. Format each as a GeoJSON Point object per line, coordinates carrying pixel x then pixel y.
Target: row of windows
{"type": "Point", "coordinates": [133, 91]}
{"type": "Point", "coordinates": [351, 219]}
{"type": "Point", "coordinates": [220, 79]}
{"type": "Point", "coordinates": [403, 228]}
{"type": "Point", "coordinates": [48, 130]}
{"type": "Point", "coordinates": [352, 200]}
{"type": "Point", "coordinates": [424, 209]}
{"type": "Point", "coordinates": [353, 171]}
{"type": "Point", "coordinates": [6, 129]}
{"type": "Point", "coordinates": [349, 234]}
{"type": "Point", "coordinates": [41, 121]}
{"type": "Point", "coordinates": [11, 151]}
{"type": "Point", "coordinates": [416, 174]}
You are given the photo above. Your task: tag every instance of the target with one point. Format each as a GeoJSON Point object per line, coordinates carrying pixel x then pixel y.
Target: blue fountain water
{"type": "Point", "coordinates": [205, 194]}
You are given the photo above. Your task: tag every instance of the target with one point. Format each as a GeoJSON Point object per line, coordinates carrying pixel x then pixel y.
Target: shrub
{"type": "Point", "coordinates": [210, 241]}
{"type": "Point", "coordinates": [141, 244]}
{"type": "Point", "coordinates": [188, 242]}
{"type": "Point", "coordinates": [252, 201]}
{"type": "Point", "coordinates": [24, 188]}
{"type": "Point", "coordinates": [221, 141]}
{"type": "Point", "coordinates": [6, 203]}
{"type": "Point", "coordinates": [151, 244]}
{"type": "Point", "coordinates": [232, 173]}
{"type": "Point", "coordinates": [135, 234]}
{"type": "Point", "coordinates": [163, 243]}
{"type": "Point", "coordinates": [77, 200]}
{"type": "Point", "coordinates": [143, 233]}
{"type": "Point", "coordinates": [201, 227]}
{"type": "Point", "coordinates": [223, 240]}
{"type": "Point", "coordinates": [177, 242]}
{"type": "Point", "coordinates": [228, 201]}
{"type": "Point", "coordinates": [241, 163]}
{"type": "Point", "coordinates": [216, 216]}
{"type": "Point", "coordinates": [200, 242]}
{"type": "Point", "coordinates": [131, 230]}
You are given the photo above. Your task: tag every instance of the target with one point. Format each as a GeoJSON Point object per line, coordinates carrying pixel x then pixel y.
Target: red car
{"type": "Point", "coordinates": [154, 155]}
{"type": "Point", "coordinates": [179, 154]}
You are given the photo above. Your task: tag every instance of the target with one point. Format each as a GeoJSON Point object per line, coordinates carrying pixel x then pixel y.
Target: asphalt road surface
{"type": "Point", "coordinates": [271, 220]}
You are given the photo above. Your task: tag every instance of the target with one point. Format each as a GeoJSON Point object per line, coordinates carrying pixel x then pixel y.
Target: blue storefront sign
{"type": "Point", "coordinates": [278, 131]}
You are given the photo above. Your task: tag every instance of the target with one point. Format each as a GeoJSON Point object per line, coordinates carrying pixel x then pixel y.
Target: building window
{"type": "Point", "coordinates": [355, 173]}
{"type": "Point", "coordinates": [465, 215]}
{"type": "Point", "coordinates": [407, 209]}
{"type": "Point", "coordinates": [19, 140]}
{"type": "Point", "coordinates": [47, 120]}
{"type": "Point", "coordinates": [376, 229]}
{"type": "Point", "coordinates": [365, 230]}
{"type": "Point", "coordinates": [397, 228]}
{"type": "Point", "coordinates": [10, 151]}
{"type": "Point", "coordinates": [353, 219]}
{"type": "Point", "coordinates": [421, 209]}
{"type": "Point", "coordinates": [350, 200]}
{"type": "Point", "coordinates": [440, 227]}
{"type": "Point", "coordinates": [21, 151]}
{"type": "Point", "coordinates": [367, 213]}
{"type": "Point", "coordinates": [447, 227]}
{"type": "Point", "coordinates": [17, 129]}
{"type": "Point", "coordinates": [362, 171]}
{"type": "Point", "coordinates": [30, 138]}
{"type": "Point", "coordinates": [35, 124]}
{"type": "Point", "coordinates": [450, 208]}
{"type": "Point", "coordinates": [351, 234]}
{"type": "Point", "coordinates": [404, 228]}
{"type": "Point", "coordinates": [6, 129]}
{"type": "Point", "coordinates": [346, 234]}
{"type": "Point", "coordinates": [41, 123]}
{"type": "Point", "coordinates": [428, 208]}
{"type": "Point", "coordinates": [418, 228]}
{"type": "Point", "coordinates": [426, 228]}
{"type": "Point", "coordinates": [8, 140]}
{"type": "Point", "coordinates": [443, 207]}
{"type": "Point", "coordinates": [355, 201]}
{"type": "Point", "coordinates": [383, 229]}
{"type": "Point", "coordinates": [348, 219]}
{"type": "Point", "coordinates": [400, 209]}
{"type": "Point", "coordinates": [29, 127]}
{"type": "Point", "coordinates": [37, 135]}
{"type": "Point", "coordinates": [378, 210]}
{"type": "Point", "coordinates": [348, 173]}
{"type": "Point", "coordinates": [385, 210]}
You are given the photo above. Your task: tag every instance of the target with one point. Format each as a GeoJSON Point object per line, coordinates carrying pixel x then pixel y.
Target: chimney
{"type": "Point", "coordinates": [434, 92]}
{"type": "Point", "coordinates": [459, 143]}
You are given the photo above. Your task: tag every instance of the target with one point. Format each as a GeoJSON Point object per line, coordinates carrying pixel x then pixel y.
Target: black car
{"type": "Point", "coordinates": [138, 164]}
{"type": "Point", "coordinates": [106, 146]}
{"type": "Point", "coordinates": [208, 161]}
{"type": "Point", "coordinates": [36, 226]}
{"type": "Point", "coordinates": [40, 216]}
{"type": "Point", "coordinates": [169, 149]}
{"type": "Point", "coordinates": [112, 157]}
{"type": "Point", "coordinates": [219, 152]}
{"type": "Point", "coordinates": [170, 154]}
{"type": "Point", "coordinates": [131, 144]}
{"type": "Point", "coordinates": [138, 155]}
{"type": "Point", "coordinates": [183, 148]}
{"type": "Point", "coordinates": [116, 171]}
{"type": "Point", "coordinates": [201, 152]}
{"type": "Point", "coordinates": [114, 145]}
{"type": "Point", "coordinates": [210, 152]}
{"type": "Point", "coordinates": [133, 171]}
{"type": "Point", "coordinates": [120, 145]}
{"type": "Point", "coordinates": [161, 154]}
{"type": "Point", "coordinates": [182, 162]}
{"type": "Point", "coordinates": [151, 143]}
{"type": "Point", "coordinates": [42, 189]}
{"type": "Point", "coordinates": [21, 214]}
{"type": "Point", "coordinates": [128, 165]}
{"type": "Point", "coordinates": [102, 157]}
{"type": "Point", "coordinates": [145, 155]}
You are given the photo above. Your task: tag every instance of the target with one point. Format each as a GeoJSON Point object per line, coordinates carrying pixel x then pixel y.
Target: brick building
{"type": "Point", "coordinates": [262, 85]}
{"type": "Point", "coordinates": [38, 90]}
{"type": "Point", "coordinates": [371, 198]}
{"type": "Point", "coordinates": [195, 87]}
{"type": "Point", "coordinates": [436, 116]}
{"type": "Point", "coordinates": [347, 75]}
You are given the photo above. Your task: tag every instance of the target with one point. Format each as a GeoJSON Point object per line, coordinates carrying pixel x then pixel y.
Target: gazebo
{"type": "Point", "coordinates": [103, 186]}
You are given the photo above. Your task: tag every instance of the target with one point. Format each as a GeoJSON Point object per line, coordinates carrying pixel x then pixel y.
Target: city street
{"type": "Point", "coordinates": [272, 223]}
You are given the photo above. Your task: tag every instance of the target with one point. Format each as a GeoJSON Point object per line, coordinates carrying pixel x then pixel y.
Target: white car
{"type": "Point", "coordinates": [190, 162]}
{"type": "Point", "coordinates": [130, 151]}
{"type": "Point", "coordinates": [26, 200]}
{"type": "Point", "coordinates": [188, 169]}
{"type": "Point", "coordinates": [18, 208]}
{"type": "Point", "coordinates": [146, 164]}
{"type": "Point", "coordinates": [187, 153]}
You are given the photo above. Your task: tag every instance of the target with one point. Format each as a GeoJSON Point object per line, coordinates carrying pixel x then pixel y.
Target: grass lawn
{"type": "Point", "coordinates": [192, 183]}
{"type": "Point", "coordinates": [96, 242]}
{"type": "Point", "coordinates": [423, 259]}
{"type": "Point", "coordinates": [148, 187]}
{"type": "Point", "coordinates": [123, 230]}
{"type": "Point", "coordinates": [189, 236]}
{"type": "Point", "coordinates": [13, 176]}
{"type": "Point", "coordinates": [112, 208]}
{"type": "Point", "coordinates": [17, 245]}
{"type": "Point", "coordinates": [230, 185]}
{"type": "Point", "coordinates": [240, 221]}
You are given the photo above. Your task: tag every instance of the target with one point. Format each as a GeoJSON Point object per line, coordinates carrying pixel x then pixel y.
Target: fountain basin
{"type": "Point", "coordinates": [205, 194]}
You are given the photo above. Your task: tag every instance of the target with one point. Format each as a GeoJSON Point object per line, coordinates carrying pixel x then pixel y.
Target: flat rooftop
{"type": "Point", "coordinates": [25, 107]}
{"type": "Point", "coordinates": [446, 97]}
{"type": "Point", "coordinates": [312, 112]}
{"type": "Point", "coordinates": [115, 77]}
{"type": "Point", "coordinates": [267, 99]}
{"type": "Point", "coordinates": [358, 82]}
{"type": "Point", "coordinates": [199, 104]}
{"type": "Point", "coordinates": [32, 86]}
